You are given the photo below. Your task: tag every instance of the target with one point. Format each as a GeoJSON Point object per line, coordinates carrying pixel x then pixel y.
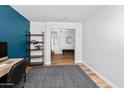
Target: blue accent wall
{"type": "Point", "coordinates": [13, 27]}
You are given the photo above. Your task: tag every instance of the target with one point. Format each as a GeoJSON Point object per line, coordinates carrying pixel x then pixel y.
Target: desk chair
{"type": "Point", "coordinates": [17, 72]}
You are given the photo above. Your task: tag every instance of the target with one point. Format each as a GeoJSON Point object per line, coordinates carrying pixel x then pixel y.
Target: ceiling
{"type": "Point", "coordinates": [70, 13]}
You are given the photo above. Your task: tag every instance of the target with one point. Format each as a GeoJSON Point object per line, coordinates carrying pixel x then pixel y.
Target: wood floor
{"type": "Point", "coordinates": [62, 59]}
{"type": "Point", "coordinates": [99, 81]}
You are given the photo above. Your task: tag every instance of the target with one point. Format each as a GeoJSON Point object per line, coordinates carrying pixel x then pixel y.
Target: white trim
{"type": "Point", "coordinates": [77, 26]}
{"type": "Point", "coordinates": [78, 62]}
{"type": "Point", "coordinates": [101, 76]}
{"type": "Point", "coordinates": [47, 63]}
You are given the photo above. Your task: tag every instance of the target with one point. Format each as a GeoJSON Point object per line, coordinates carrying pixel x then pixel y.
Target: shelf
{"type": "Point", "coordinates": [38, 46]}
{"type": "Point", "coordinates": [36, 56]}
{"type": "Point", "coordinates": [35, 42]}
{"type": "Point", "coordinates": [36, 49]}
{"type": "Point", "coordinates": [35, 35]}
{"type": "Point", "coordinates": [36, 63]}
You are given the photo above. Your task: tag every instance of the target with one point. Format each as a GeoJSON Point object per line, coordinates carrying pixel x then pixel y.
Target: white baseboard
{"type": "Point", "coordinates": [101, 76]}
{"type": "Point", "coordinates": [78, 62]}
{"type": "Point", "coordinates": [47, 63]}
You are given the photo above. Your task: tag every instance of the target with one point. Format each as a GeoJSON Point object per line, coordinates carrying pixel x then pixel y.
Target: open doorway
{"type": "Point", "coordinates": [62, 46]}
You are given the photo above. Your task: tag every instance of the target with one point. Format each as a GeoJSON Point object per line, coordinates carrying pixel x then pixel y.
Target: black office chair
{"type": "Point", "coordinates": [17, 72]}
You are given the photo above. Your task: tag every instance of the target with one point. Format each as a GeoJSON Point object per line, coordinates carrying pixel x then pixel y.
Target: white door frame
{"type": "Point", "coordinates": [78, 39]}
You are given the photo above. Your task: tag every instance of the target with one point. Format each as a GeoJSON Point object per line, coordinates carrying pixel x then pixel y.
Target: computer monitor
{"type": "Point", "coordinates": [3, 51]}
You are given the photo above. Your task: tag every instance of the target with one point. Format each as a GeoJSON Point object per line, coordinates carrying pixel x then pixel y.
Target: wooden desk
{"type": "Point", "coordinates": [10, 62]}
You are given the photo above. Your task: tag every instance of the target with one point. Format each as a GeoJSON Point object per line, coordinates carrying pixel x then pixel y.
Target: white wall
{"type": "Point", "coordinates": [78, 39]}
{"type": "Point", "coordinates": [37, 27]}
{"type": "Point", "coordinates": [103, 44]}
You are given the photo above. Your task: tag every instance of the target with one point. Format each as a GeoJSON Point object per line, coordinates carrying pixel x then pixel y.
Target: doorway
{"type": "Point", "coordinates": [62, 46]}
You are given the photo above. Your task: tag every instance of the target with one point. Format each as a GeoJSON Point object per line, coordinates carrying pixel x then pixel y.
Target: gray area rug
{"type": "Point", "coordinates": [58, 77]}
